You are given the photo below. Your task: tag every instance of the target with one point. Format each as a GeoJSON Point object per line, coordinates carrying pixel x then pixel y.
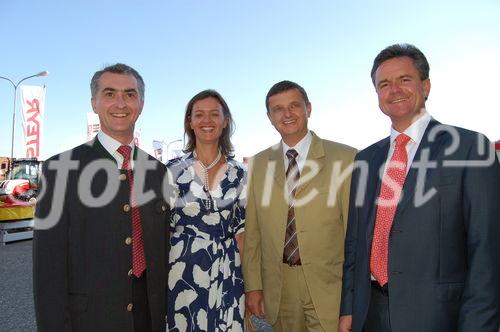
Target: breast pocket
{"type": "Point", "coordinates": [450, 292]}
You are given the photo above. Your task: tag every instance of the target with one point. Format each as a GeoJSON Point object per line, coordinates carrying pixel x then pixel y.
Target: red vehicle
{"type": "Point", "coordinates": [17, 200]}
{"type": "Point", "coordinates": [23, 181]}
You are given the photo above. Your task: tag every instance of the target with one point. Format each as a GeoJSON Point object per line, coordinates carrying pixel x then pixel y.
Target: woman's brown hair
{"type": "Point", "coordinates": [225, 144]}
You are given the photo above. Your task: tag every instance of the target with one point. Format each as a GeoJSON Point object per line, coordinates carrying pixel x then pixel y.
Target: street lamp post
{"type": "Point", "coordinates": [15, 86]}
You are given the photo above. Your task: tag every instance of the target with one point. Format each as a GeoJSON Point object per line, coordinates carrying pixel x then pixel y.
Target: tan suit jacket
{"type": "Point", "coordinates": [321, 210]}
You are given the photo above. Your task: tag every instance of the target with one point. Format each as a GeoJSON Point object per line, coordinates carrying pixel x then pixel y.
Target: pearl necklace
{"type": "Point", "coordinates": [205, 170]}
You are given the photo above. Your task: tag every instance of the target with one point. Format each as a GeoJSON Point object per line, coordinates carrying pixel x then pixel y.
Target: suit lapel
{"type": "Point", "coordinates": [272, 169]}
{"type": "Point", "coordinates": [376, 161]}
{"type": "Point", "coordinates": [100, 151]}
{"type": "Point", "coordinates": [427, 147]}
{"type": "Point", "coordinates": [316, 156]}
{"type": "Point", "coordinates": [147, 220]}
{"type": "Point", "coordinates": [276, 157]}
{"type": "Point", "coordinates": [379, 157]}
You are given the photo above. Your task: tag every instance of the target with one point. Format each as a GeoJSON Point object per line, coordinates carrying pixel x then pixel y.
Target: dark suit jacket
{"type": "Point", "coordinates": [80, 266]}
{"type": "Point", "coordinates": [444, 255]}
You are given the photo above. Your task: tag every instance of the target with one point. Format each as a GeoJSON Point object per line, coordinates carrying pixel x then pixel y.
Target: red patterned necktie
{"type": "Point", "coordinates": [291, 254]}
{"type": "Point", "coordinates": [386, 208]}
{"type": "Point", "coordinates": [138, 258]}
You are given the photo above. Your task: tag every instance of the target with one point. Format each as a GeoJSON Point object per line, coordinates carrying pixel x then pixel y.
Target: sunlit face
{"type": "Point", "coordinates": [401, 92]}
{"type": "Point", "coordinates": [288, 113]}
{"type": "Point", "coordinates": [118, 104]}
{"type": "Point", "coordinates": [207, 120]}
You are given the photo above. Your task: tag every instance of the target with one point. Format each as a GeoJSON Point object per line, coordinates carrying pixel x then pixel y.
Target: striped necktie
{"type": "Point", "coordinates": [138, 258]}
{"type": "Point", "coordinates": [291, 254]}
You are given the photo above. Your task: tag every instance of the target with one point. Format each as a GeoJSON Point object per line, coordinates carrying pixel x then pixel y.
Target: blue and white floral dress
{"type": "Point", "coordinates": [205, 281]}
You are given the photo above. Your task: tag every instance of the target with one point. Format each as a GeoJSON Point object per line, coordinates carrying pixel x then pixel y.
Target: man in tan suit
{"type": "Point", "coordinates": [296, 219]}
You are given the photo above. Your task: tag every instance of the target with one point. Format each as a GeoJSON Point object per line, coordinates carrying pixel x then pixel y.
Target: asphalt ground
{"type": "Point", "coordinates": [16, 289]}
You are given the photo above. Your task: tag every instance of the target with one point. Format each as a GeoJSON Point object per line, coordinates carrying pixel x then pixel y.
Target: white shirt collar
{"type": "Point", "coordinates": [416, 130]}
{"type": "Point", "coordinates": [111, 145]}
{"type": "Point", "coordinates": [302, 147]}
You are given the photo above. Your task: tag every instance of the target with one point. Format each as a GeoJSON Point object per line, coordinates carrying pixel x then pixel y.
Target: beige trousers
{"type": "Point", "coordinates": [296, 312]}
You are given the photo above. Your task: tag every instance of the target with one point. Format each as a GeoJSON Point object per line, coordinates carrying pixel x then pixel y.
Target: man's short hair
{"type": "Point", "coordinates": [118, 68]}
{"type": "Point", "coordinates": [283, 86]}
{"type": "Point", "coordinates": [400, 50]}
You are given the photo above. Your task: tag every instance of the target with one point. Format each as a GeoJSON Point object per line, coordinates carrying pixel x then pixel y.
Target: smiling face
{"type": "Point", "coordinates": [118, 104]}
{"type": "Point", "coordinates": [401, 92]}
{"type": "Point", "coordinates": [288, 113]}
{"type": "Point", "coordinates": [207, 120]}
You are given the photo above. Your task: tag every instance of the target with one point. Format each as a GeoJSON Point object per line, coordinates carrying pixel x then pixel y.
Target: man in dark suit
{"type": "Point", "coordinates": [100, 248]}
{"type": "Point", "coordinates": [422, 250]}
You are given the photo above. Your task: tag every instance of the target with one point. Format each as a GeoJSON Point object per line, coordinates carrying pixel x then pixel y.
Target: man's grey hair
{"type": "Point", "coordinates": [118, 68]}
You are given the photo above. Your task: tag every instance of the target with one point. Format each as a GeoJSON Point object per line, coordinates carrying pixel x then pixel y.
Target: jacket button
{"type": "Point", "coordinates": [126, 208]}
{"type": "Point", "coordinates": [130, 272]}
{"type": "Point", "coordinates": [128, 241]}
{"type": "Point", "coordinates": [163, 208]}
{"type": "Point", "coordinates": [123, 177]}
{"type": "Point", "coordinates": [130, 306]}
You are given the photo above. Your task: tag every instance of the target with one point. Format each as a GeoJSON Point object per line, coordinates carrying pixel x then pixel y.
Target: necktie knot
{"type": "Point", "coordinates": [125, 151]}
{"type": "Point", "coordinates": [291, 154]}
{"type": "Point", "coordinates": [402, 140]}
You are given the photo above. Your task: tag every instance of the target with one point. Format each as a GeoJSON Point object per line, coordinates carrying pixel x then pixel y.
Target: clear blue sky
{"type": "Point", "coordinates": [241, 48]}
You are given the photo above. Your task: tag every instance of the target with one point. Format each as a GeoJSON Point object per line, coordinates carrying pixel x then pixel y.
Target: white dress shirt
{"type": "Point", "coordinates": [415, 131]}
{"type": "Point", "coordinates": [111, 145]}
{"type": "Point", "coordinates": [302, 148]}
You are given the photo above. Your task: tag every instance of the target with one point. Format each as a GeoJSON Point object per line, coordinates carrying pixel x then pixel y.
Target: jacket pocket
{"type": "Point", "coordinates": [450, 292]}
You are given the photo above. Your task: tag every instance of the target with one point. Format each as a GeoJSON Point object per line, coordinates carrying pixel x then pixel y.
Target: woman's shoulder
{"type": "Point", "coordinates": [180, 162]}
{"type": "Point", "coordinates": [179, 167]}
{"type": "Point", "coordinates": [237, 171]}
{"type": "Point", "coordinates": [239, 166]}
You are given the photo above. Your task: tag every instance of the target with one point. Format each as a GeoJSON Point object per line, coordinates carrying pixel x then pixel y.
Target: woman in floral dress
{"type": "Point", "coordinates": [205, 283]}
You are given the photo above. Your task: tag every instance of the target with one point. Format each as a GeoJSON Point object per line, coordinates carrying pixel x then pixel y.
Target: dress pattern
{"type": "Point", "coordinates": [205, 282]}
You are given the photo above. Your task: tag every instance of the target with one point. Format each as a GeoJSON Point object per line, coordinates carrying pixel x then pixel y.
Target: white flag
{"type": "Point", "coordinates": [93, 125]}
{"type": "Point", "coordinates": [33, 106]}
